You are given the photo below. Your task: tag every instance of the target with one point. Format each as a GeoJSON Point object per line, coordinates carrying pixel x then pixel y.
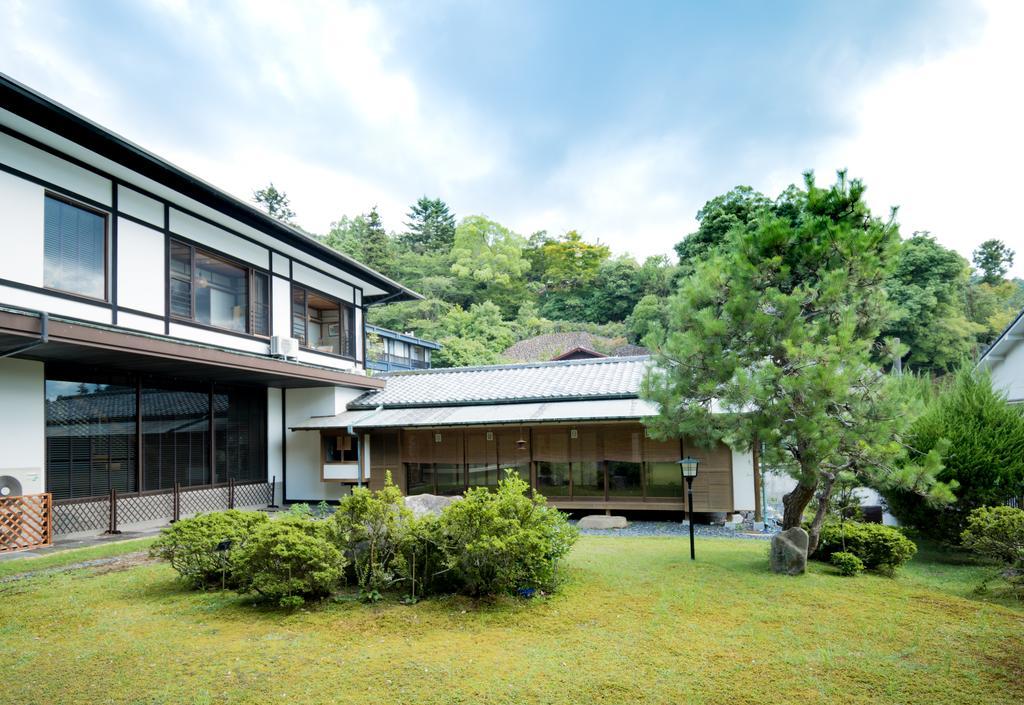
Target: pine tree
{"type": "Point", "coordinates": [375, 249]}
{"type": "Point", "coordinates": [776, 330]}
{"type": "Point", "coordinates": [431, 226]}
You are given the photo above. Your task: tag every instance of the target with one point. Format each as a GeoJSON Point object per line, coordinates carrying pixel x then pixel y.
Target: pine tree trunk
{"type": "Point", "coordinates": [819, 516]}
{"type": "Point", "coordinates": [794, 503]}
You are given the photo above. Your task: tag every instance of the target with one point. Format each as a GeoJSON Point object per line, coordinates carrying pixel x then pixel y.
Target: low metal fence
{"type": "Point", "coordinates": [119, 509]}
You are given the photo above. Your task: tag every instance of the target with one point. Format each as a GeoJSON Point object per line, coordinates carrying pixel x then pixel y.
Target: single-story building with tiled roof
{"type": "Point", "coordinates": [572, 429]}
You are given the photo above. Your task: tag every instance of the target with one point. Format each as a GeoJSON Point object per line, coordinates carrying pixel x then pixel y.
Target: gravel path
{"type": "Point", "coordinates": [673, 528]}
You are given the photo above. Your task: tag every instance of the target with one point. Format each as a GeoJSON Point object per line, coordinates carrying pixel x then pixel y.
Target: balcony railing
{"type": "Point", "coordinates": [398, 361]}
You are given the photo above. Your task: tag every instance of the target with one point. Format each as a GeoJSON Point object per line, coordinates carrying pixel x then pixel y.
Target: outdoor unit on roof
{"type": "Point", "coordinates": [281, 346]}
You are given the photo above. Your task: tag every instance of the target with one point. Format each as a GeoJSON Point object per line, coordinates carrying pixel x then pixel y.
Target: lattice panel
{"type": "Point", "coordinates": [208, 499]}
{"type": "Point", "coordinates": [254, 495]}
{"type": "Point", "coordinates": [132, 509]}
{"type": "Point", "coordinates": [25, 522]}
{"type": "Point", "coordinates": [73, 517]}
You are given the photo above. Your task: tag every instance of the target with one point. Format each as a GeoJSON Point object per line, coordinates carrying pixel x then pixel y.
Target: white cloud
{"type": "Point", "coordinates": [944, 140]}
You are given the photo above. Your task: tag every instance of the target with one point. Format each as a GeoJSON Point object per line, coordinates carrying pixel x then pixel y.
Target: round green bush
{"type": "Point", "coordinates": [190, 546]}
{"type": "Point", "coordinates": [879, 547]}
{"type": "Point", "coordinates": [996, 532]}
{"type": "Point", "coordinates": [503, 542]}
{"type": "Point", "coordinates": [847, 563]}
{"type": "Point", "coordinates": [289, 561]}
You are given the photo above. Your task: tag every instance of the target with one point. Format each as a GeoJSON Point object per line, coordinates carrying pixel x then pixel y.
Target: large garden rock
{"type": "Point", "coordinates": [423, 504]}
{"type": "Point", "coordinates": [789, 551]}
{"type": "Point", "coordinates": [600, 521]}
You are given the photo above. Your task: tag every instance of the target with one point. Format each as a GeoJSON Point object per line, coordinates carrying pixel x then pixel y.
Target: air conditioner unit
{"type": "Point", "coordinates": [281, 346]}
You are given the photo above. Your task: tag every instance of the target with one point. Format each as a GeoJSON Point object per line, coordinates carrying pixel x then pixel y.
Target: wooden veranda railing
{"type": "Point", "coordinates": [26, 521]}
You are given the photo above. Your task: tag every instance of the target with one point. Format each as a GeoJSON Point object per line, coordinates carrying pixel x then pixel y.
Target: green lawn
{"type": "Point", "coordinates": [636, 623]}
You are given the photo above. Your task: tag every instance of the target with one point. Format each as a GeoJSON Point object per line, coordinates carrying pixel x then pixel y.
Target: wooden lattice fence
{"type": "Point", "coordinates": [26, 521]}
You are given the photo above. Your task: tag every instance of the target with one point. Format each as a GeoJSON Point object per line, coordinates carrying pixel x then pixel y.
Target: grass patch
{"type": "Point", "coordinates": [637, 622]}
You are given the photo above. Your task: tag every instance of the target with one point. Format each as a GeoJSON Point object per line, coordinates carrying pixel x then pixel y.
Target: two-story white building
{"type": "Point", "coordinates": [156, 331]}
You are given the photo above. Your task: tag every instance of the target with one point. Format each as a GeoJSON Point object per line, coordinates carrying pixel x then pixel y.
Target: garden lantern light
{"type": "Point", "coordinates": [688, 467]}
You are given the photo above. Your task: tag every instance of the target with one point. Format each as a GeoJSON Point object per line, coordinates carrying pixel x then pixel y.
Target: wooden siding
{"type": "Point", "coordinates": [712, 489]}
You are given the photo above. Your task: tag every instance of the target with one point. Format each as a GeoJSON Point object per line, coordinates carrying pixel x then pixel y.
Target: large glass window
{"type": "Point", "coordinates": [214, 291]}
{"type": "Point", "coordinates": [323, 323]}
{"type": "Point", "coordinates": [175, 437]}
{"type": "Point", "coordinates": [239, 428]}
{"type": "Point", "coordinates": [74, 249]}
{"type": "Point", "coordinates": [90, 437]}
{"type": "Point", "coordinates": [93, 424]}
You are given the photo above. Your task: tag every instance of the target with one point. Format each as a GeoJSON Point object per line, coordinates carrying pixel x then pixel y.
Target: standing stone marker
{"type": "Point", "coordinates": [789, 552]}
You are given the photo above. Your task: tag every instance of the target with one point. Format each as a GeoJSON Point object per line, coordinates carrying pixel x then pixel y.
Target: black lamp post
{"type": "Point", "coordinates": [688, 467]}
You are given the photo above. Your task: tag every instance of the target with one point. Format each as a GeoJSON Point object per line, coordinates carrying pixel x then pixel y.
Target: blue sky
{"type": "Point", "coordinates": [617, 119]}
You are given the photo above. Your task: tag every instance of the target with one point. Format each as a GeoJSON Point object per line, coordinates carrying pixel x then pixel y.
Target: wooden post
{"type": "Point", "coordinates": [758, 509]}
{"type": "Point", "coordinates": [176, 502]}
{"type": "Point", "coordinates": [112, 522]}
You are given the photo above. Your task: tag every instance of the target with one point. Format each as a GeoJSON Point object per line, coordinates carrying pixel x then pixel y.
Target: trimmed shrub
{"type": "Point", "coordinates": [847, 563]}
{"type": "Point", "coordinates": [190, 546]}
{"type": "Point", "coordinates": [371, 528]}
{"type": "Point", "coordinates": [998, 533]}
{"type": "Point", "coordinates": [289, 561]}
{"type": "Point", "coordinates": [879, 547]}
{"type": "Point", "coordinates": [501, 542]}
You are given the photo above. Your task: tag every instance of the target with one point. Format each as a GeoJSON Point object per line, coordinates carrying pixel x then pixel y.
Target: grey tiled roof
{"type": "Point", "coordinates": [602, 378]}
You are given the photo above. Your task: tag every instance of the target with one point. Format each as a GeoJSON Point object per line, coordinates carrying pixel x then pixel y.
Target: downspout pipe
{"type": "Point", "coordinates": [44, 337]}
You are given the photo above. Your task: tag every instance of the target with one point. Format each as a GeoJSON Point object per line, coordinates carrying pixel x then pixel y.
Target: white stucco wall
{"type": "Point", "coordinates": [22, 423]}
{"type": "Point", "coordinates": [743, 480]}
{"type": "Point", "coordinates": [1008, 373]}
{"type": "Point", "coordinates": [303, 447]}
{"type": "Point", "coordinates": [21, 202]}
{"type": "Point", "coordinates": [141, 267]}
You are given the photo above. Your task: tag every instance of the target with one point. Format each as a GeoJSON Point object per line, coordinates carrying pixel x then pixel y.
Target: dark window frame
{"type": "Point", "coordinates": [105, 215]}
{"type": "Point", "coordinates": [342, 305]}
{"type": "Point", "coordinates": [251, 272]}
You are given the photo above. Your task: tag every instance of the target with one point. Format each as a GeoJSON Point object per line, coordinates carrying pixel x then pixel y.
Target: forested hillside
{"type": "Point", "coordinates": [487, 287]}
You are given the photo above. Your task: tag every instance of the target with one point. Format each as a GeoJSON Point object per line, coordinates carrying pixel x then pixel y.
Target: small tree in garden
{"type": "Point", "coordinates": [998, 533]}
{"type": "Point", "coordinates": [777, 328]}
{"type": "Point", "coordinates": [371, 528]}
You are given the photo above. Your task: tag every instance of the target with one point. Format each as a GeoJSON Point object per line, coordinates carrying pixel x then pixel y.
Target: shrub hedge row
{"type": "Point", "coordinates": [489, 543]}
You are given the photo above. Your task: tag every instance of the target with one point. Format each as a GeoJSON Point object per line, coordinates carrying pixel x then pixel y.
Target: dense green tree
{"type": "Point", "coordinates": [274, 202]}
{"type": "Point", "coordinates": [993, 259]}
{"type": "Point", "coordinates": [463, 352]}
{"type": "Point", "coordinates": [740, 207]}
{"type": "Point", "coordinates": [488, 263]}
{"type": "Point", "coordinates": [430, 226]}
{"type": "Point", "coordinates": [365, 239]}
{"type": "Point", "coordinates": [346, 235]}
{"type": "Point", "coordinates": [570, 261]}
{"type": "Point", "coordinates": [614, 292]}
{"type": "Point", "coordinates": [993, 307]}
{"type": "Point", "coordinates": [648, 315]}
{"type": "Point", "coordinates": [777, 329]}
{"type": "Point", "coordinates": [929, 290]}
{"type": "Point", "coordinates": [377, 247]}
{"type": "Point", "coordinates": [980, 438]}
